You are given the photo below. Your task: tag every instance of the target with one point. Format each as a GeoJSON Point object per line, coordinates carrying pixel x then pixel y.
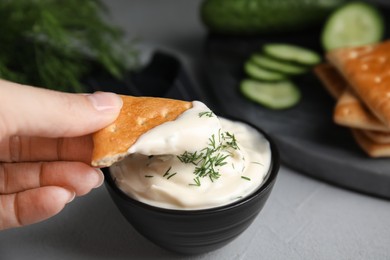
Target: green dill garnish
{"type": "Point", "coordinates": [210, 158]}
{"type": "Point", "coordinates": [169, 174]}
{"type": "Point", "coordinates": [220, 160]}
{"type": "Point", "coordinates": [212, 141]}
{"type": "Point", "coordinates": [167, 171]}
{"type": "Point", "coordinates": [173, 174]}
{"type": "Point", "coordinates": [197, 182]}
{"type": "Point", "coordinates": [149, 176]}
{"type": "Point", "coordinates": [206, 113]}
{"type": "Point", "coordinates": [187, 157]}
{"type": "Point", "coordinates": [258, 163]}
{"type": "Point", "coordinates": [231, 141]}
{"type": "Point", "coordinates": [246, 178]}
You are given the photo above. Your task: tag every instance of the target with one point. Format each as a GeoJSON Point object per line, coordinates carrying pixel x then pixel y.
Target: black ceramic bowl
{"type": "Point", "coordinates": [195, 231]}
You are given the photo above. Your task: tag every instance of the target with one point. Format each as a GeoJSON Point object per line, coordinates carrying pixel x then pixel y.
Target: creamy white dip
{"type": "Point", "coordinates": [166, 169]}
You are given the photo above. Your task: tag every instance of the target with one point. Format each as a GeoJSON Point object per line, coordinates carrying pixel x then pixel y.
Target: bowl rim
{"type": "Point", "coordinates": [264, 187]}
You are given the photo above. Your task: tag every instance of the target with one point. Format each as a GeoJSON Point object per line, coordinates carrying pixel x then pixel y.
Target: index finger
{"type": "Point", "coordinates": [30, 149]}
{"type": "Point", "coordinates": [33, 111]}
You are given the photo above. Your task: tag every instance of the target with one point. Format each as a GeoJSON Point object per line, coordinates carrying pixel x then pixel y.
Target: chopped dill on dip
{"type": "Point", "coordinates": [197, 161]}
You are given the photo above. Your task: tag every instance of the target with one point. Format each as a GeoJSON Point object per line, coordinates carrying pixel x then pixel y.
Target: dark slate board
{"type": "Point", "coordinates": [307, 138]}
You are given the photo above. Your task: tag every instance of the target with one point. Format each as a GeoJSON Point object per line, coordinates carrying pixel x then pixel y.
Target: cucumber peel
{"type": "Point", "coordinates": [277, 65]}
{"type": "Point", "coordinates": [274, 95]}
{"type": "Point", "coordinates": [292, 53]}
{"type": "Point", "coordinates": [256, 72]}
{"type": "Point", "coordinates": [354, 24]}
{"type": "Point", "coordinates": [253, 17]}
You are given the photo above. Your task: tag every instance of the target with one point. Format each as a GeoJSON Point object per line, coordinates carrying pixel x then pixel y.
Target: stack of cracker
{"type": "Point", "coordinates": [359, 79]}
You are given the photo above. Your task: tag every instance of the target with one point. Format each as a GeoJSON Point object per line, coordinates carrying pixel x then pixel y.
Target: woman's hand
{"type": "Point", "coordinates": [45, 149]}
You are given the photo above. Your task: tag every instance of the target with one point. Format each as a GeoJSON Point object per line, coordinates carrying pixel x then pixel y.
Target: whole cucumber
{"type": "Point", "coordinates": [239, 17]}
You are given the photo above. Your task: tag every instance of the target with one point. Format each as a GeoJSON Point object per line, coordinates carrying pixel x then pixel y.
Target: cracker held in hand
{"type": "Point", "coordinates": [137, 116]}
{"type": "Point", "coordinates": [367, 69]}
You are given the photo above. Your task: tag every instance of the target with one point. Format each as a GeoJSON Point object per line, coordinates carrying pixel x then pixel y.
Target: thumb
{"type": "Point", "coordinates": [26, 110]}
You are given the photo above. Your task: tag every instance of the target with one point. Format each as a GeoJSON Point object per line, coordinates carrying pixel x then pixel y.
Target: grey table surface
{"type": "Point", "coordinates": [303, 218]}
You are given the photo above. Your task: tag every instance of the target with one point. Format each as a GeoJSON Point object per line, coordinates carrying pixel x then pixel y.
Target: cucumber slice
{"type": "Point", "coordinates": [277, 65]}
{"type": "Point", "coordinates": [256, 72]}
{"type": "Point", "coordinates": [274, 95]}
{"type": "Point", "coordinates": [353, 24]}
{"type": "Point", "coordinates": [292, 53]}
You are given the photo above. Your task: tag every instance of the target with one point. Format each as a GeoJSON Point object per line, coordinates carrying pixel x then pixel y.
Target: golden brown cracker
{"type": "Point", "coordinates": [367, 69]}
{"type": "Point", "coordinates": [371, 148]}
{"type": "Point", "coordinates": [377, 136]}
{"type": "Point", "coordinates": [137, 116]}
{"type": "Point", "coordinates": [334, 83]}
{"type": "Point", "coordinates": [349, 111]}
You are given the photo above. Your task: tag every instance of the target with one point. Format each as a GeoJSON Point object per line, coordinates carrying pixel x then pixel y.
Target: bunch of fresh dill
{"type": "Point", "coordinates": [55, 43]}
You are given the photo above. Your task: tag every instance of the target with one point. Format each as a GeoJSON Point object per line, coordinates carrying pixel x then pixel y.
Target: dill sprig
{"type": "Point", "coordinates": [206, 114]}
{"type": "Point", "coordinates": [230, 140]}
{"type": "Point", "coordinates": [209, 159]}
{"type": "Point", "coordinates": [169, 174]}
{"type": "Point", "coordinates": [258, 163]}
{"type": "Point", "coordinates": [188, 157]}
{"type": "Point", "coordinates": [167, 171]}
{"type": "Point", "coordinates": [197, 182]}
{"type": "Point", "coordinates": [56, 44]}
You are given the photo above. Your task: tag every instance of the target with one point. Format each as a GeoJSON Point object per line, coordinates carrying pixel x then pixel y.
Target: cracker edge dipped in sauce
{"type": "Point", "coordinates": [196, 161]}
{"type": "Point", "coordinates": [157, 139]}
{"type": "Point", "coordinates": [137, 116]}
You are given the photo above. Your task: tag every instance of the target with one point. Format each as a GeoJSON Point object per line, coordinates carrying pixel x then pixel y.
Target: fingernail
{"type": "Point", "coordinates": [101, 177]}
{"type": "Point", "coordinates": [105, 101]}
{"type": "Point", "coordinates": [72, 195]}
